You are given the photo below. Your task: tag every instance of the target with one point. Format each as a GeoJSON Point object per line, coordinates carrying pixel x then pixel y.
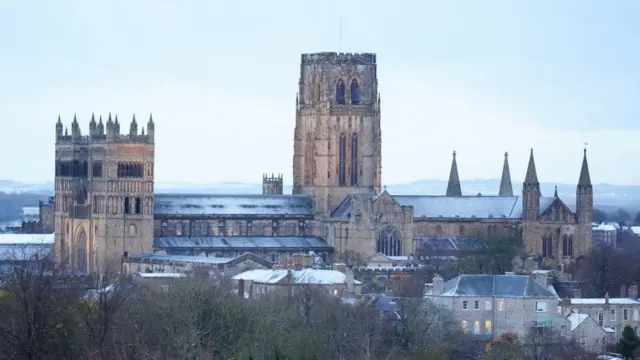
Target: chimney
{"type": "Point", "coordinates": [623, 291]}
{"type": "Point", "coordinates": [606, 298]}
{"type": "Point", "coordinates": [297, 261]}
{"type": "Point", "coordinates": [277, 267]}
{"type": "Point", "coordinates": [576, 293]}
{"type": "Point", "coordinates": [349, 281]}
{"type": "Point", "coordinates": [541, 277]}
{"type": "Point", "coordinates": [565, 304]}
{"type": "Point", "coordinates": [307, 261]}
{"type": "Point", "coordinates": [633, 291]}
{"type": "Point", "coordinates": [241, 288]}
{"type": "Point", "coordinates": [438, 285]}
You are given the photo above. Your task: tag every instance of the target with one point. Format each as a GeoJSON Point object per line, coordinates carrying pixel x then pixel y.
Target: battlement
{"type": "Point", "coordinates": [339, 58]}
{"type": "Point", "coordinates": [272, 185]}
{"type": "Point", "coordinates": [107, 132]}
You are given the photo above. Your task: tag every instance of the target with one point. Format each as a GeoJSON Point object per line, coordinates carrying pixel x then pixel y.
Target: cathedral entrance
{"type": "Point", "coordinates": [81, 251]}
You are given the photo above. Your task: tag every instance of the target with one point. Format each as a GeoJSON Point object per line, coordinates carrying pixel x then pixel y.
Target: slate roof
{"type": "Point", "coordinates": [233, 206]}
{"type": "Point", "coordinates": [445, 244]}
{"type": "Point", "coordinates": [169, 258]}
{"type": "Point", "coordinates": [461, 207]}
{"type": "Point", "coordinates": [506, 286]}
{"type": "Point", "coordinates": [247, 243]}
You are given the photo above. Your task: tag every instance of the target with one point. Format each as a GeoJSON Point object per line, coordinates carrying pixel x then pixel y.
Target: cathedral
{"type": "Point", "coordinates": [106, 208]}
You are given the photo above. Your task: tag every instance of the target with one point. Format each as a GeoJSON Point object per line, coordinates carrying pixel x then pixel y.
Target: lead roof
{"type": "Point", "coordinates": [243, 243]}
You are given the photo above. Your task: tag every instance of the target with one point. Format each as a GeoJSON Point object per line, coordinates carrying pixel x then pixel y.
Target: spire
{"type": "Point", "coordinates": [453, 188]}
{"type": "Point", "coordinates": [585, 178]}
{"type": "Point", "coordinates": [506, 188]}
{"type": "Point", "coordinates": [555, 192]}
{"type": "Point", "coordinates": [532, 176]}
{"type": "Point", "coordinates": [100, 126]}
{"type": "Point", "coordinates": [133, 129]}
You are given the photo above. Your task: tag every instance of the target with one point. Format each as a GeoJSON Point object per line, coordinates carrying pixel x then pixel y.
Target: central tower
{"type": "Point", "coordinates": [337, 140]}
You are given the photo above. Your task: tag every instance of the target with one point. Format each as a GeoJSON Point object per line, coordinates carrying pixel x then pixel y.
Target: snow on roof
{"type": "Point", "coordinates": [19, 239]}
{"type": "Point", "coordinates": [576, 319]}
{"type": "Point", "coordinates": [161, 275]}
{"type": "Point", "coordinates": [305, 276]}
{"type": "Point", "coordinates": [604, 227]}
{"type": "Point", "coordinates": [602, 301]}
{"type": "Point", "coordinates": [635, 229]}
{"type": "Point", "coordinates": [609, 329]}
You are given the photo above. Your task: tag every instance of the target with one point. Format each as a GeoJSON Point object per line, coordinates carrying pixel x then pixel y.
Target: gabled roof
{"type": "Point", "coordinates": [507, 286]}
{"type": "Point", "coordinates": [305, 276]}
{"type": "Point", "coordinates": [551, 202]}
{"type": "Point", "coordinates": [241, 243]}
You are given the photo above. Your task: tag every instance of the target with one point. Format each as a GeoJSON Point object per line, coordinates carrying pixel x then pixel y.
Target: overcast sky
{"type": "Point", "coordinates": [480, 77]}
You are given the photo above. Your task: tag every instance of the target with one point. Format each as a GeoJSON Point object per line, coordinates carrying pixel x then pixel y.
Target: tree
{"type": "Point", "coordinates": [628, 343]}
{"type": "Point", "coordinates": [496, 258]}
{"type": "Point", "coordinates": [622, 217]}
{"type": "Point", "coordinates": [599, 216]}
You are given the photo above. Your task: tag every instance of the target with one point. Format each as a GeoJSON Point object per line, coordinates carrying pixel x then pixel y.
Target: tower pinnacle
{"type": "Point", "coordinates": [453, 187]}
{"type": "Point", "coordinates": [506, 188]}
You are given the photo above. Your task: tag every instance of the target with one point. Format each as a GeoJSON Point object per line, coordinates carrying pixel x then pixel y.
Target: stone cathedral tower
{"type": "Point", "coordinates": [103, 194]}
{"type": "Point", "coordinates": [337, 142]}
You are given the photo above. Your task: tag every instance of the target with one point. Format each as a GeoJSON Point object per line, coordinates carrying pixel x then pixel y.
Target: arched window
{"type": "Point", "coordinates": [138, 206]}
{"type": "Point", "coordinates": [81, 251]}
{"type": "Point", "coordinates": [127, 208]}
{"type": "Point", "coordinates": [547, 246]}
{"type": "Point", "coordinates": [132, 230]}
{"type": "Point", "coordinates": [354, 159]}
{"type": "Point", "coordinates": [567, 245]}
{"type": "Point", "coordinates": [389, 241]}
{"type": "Point", "coordinates": [355, 93]}
{"type": "Point", "coordinates": [342, 160]}
{"type": "Point", "coordinates": [340, 89]}
{"type": "Point", "coordinates": [163, 228]}
{"type": "Point", "coordinates": [178, 229]}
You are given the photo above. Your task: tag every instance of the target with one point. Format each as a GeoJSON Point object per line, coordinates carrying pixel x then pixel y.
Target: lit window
{"type": "Point", "coordinates": [465, 305]}
{"type": "Point", "coordinates": [501, 305]}
{"type": "Point", "coordinates": [613, 315]}
{"type": "Point", "coordinates": [465, 327]}
{"type": "Point", "coordinates": [476, 305]}
{"type": "Point", "coordinates": [487, 305]}
{"type": "Point", "coordinates": [487, 326]}
{"type": "Point", "coordinates": [335, 292]}
{"type": "Point", "coordinates": [476, 327]}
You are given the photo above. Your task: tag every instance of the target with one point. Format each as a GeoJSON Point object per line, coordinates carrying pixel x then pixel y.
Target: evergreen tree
{"type": "Point", "coordinates": [628, 343]}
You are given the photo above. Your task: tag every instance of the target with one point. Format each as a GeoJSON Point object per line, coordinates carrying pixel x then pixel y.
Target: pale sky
{"type": "Point", "coordinates": [220, 77]}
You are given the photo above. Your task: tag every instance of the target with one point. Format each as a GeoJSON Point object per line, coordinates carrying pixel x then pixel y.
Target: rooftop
{"type": "Point", "coordinates": [299, 277]}
{"type": "Point", "coordinates": [576, 319]}
{"type": "Point", "coordinates": [230, 206]}
{"type": "Point", "coordinates": [24, 239]}
{"type": "Point", "coordinates": [220, 243]}
{"type": "Point", "coordinates": [602, 301]}
{"type": "Point", "coordinates": [507, 286]}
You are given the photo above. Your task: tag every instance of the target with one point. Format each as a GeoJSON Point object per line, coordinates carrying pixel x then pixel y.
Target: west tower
{"type": "Point", "coordinates": [337, 140]}
{"type": "Point", "coordinates": [103, 194]}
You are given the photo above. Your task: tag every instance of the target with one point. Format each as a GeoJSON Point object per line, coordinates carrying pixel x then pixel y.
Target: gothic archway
{"type": "Point", "coordinates": [389, 241]}
{"type": "Point", "coordinates": [81, 251]}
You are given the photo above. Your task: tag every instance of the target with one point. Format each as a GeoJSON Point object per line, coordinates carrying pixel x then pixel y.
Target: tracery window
{"type": "Point", "coordinates": [81, 251]}
{"type": "Point", "coordinates": [342, 159]}
{"type": "Point", "coordinates": [340, 92]}
{"type": "Point", "coordinates": [547, 246]}
{"type": "Point", "coordinates": [389, 241]}
{"type": "Point", "coordinates": [567, 245]}
{"type": "Point", "coordinates": [354, 159]}
{"type": "Point", "coordinates": [355, 92]}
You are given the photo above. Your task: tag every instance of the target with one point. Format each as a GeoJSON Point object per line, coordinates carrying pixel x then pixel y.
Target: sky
{"type": "Point", "coordinates": [220, 77]}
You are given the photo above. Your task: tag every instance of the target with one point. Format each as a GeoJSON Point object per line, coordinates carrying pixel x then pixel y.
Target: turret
{"type": "Point", "coordinates": [93, 126]}
{"type": "Point", "coordinates": [453, 187]}
{"type": "Point", "coordinates": [531, 192]}
{"type": "Point", "coordinates": [272, 185]}
{"type": "Point", "coordinates": [58, 128]}
{"type": "Point", "coordinates": [100, 129]}
{"type": "Point", "coordinates": [110, 128]}
{"type": "Point", "coordinates": [133, 129]}
{"type": "Point", "coordinates": [75, 128]}
{"type": "Point", "coordinates": [116, 126]}
{"type": "Point", "coordinates": [584, 193]}
{"type": "Point", "coordinates": [506, 188]}
{"type": "Point", "coordinates": [151, 128]}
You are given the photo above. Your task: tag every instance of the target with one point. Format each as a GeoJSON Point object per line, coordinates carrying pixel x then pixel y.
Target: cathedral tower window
{"type": "Point", "coordinates": [137, 206]}
{"type": "Point", "coordinates": [354, 159]}
{"type": "Point", "coordinates": [547, 246]}
{"type": "Point", "coordinates": [355, 94]}
{"type": "Point", "coordinates": [127, 206]}
{"type": "Point", "coordinates": [342, 166]}
{"type": "Point", "coordinates": [96, 169]}
{"type": "Point", "coordinates": [567, 245]}
{"type": "Point", "coordinates": [340, 93]}
{"type": "Point", "coordinates": [81, 251]}
{"type": "Point", "coordinates": [130, 170]}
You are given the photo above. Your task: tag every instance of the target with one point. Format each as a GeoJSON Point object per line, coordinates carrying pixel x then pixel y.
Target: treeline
{"type": "Point", "coordinates": [620, 216]}
{"type": "Point", "coordinates": [43, 318]}
{"type": "Point", "coordinates": [11, 204]}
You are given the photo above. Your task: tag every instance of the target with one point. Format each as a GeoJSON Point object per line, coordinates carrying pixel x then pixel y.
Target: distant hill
{"type": "Point", "coordinates": [606, 197]}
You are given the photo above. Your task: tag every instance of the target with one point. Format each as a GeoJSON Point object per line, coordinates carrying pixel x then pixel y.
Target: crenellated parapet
{"type": "Point", "coordinates": [104, 132]}
{"type": "Point", "coordinates": [272, 185]}
{"type": "Point", "coordinates": [339, 58]}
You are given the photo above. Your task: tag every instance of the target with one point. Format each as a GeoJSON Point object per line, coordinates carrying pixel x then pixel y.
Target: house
{"type": "Point", "coordinates": [490, 305]}
{"type": "Point", "coordinates": [285, 282]}
{"type": "Point", "coordinates": [605, 234]}
{"type": "Point", "coordinates": [586, 331]}
{"type": "Point", "coordinates": [384, 261]}
{"type": "Point", "coordinates": [187, 264]}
